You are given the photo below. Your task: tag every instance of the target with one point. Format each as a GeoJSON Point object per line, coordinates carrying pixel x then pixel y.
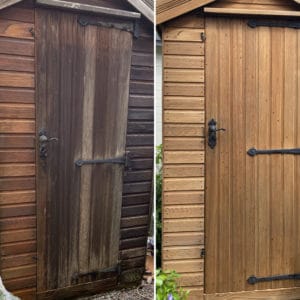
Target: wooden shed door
{"type": "Point", "coordinates": [83, 85]}
{"type": "Point", "coordinates": [252, 202]}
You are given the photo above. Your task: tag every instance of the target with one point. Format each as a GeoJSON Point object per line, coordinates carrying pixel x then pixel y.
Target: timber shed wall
{"type": "Point", "coordinates": [140, 142]}
{"type": "Point", "coordinates": [18, 265]}
{"type": "Point", "coordinates": [17, 150]}
{"type": "Point", "coordinates": [183, 142]}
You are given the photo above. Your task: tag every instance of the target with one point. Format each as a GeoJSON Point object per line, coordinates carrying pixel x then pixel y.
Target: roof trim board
{"type": "Point", "coordinates": [168, 9]}
{"type": "Point", "coordinates": [143, 8]}
{"type": "Point", "coordinates": [7, 3]}
{"type": "Point", "coordinates": [90, 8]}
{"type": "Point", "coordinates": [240, 9]}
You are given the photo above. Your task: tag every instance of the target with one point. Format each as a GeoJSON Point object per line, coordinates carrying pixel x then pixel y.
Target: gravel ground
{"type": "Point", "coordinates": [144, 292]}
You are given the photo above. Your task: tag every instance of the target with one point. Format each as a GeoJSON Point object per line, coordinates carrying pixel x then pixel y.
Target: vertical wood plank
{"type": "Point", "coordinates": [276, 132]}
{"type": "Point", "coordinates": [289, 127]}
{"type": "Point", "coordinates": [212, 173]}
{"type": "Point", "coordinates": [87, 147]}
{"type": "Point", "coordinates": [251, 123]}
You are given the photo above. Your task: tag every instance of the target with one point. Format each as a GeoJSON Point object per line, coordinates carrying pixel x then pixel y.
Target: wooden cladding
{"type": "Point", "coordinates": [183, 130]}
{"type": "Point", "coordinates": [17, 151]}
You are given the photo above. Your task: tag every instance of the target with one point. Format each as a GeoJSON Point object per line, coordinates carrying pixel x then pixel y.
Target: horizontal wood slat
{"type": "Point", "coordinates": [190, 197]}
{"type": "Point", "coordinates": [16, 47]}
{"type": "Point", "coordinates": [16, 95]}
{"type": "Point", "coordinates": [17, 126]}
{"type": "Point", "coordinates": [15, 170]}
{"type": "Point", "coordinates": [183, 211]}
{"type": "Point", "coordinates": [18, 223]}
{"type": "Point", "coordinates": [183, 48]}
{"type": "Point", "coordinates": [16, 141]}
{"type": "Point", "coordinates": [183, 89]}
{"type": "Point", "coordinates": [16, 63]}
{"type": "Point", "coordinates": [192, 117]}
{"type": "Point", "coordinates": [184, 144]}
{"type": "Point", "coordinates": [184, 225]}
{"type": "Point", "coordinates": [178, 130]}
{"type": "Point", "coordinates": [184, 184]}
{"type": "Point", "coordinates": [184, 157]}
{"type": "Point", "coordinates": [182, 75]}
{"type": "Point", "coordinates": [183, 62]}
{"type": "Point", "coordinates": [16, 79]}
{"type": "Point", "coordinates": [19, 156]}
{"type": "Point", "coordinates": [18, 248]}
{"type": "Point", "coordinates": [188, 34]}
{"type": "Point", "coordinates": [172, 253]}
{"type": "Point", "coordinates": [186, 238]}
{"type": "Point", "coordinates": [186, 103]}
{"type": "Point", "coordinates": [18, 111]}
{"type": "Point", "coordinates": [184, 266]}
{"type": "Point", "coordinates": [178, 171]}
{"type": "Point", "coordinates": [18, 14]}
{"type": "Point", "coordinates": [15, 29]}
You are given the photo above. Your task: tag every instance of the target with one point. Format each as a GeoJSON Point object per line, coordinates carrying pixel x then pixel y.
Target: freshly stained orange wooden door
{"type": "Point", "coordinates": [83, 86]}
{"type": "Point", "coordinates": [252, 203]}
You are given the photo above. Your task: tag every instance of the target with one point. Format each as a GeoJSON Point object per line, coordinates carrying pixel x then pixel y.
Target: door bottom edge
{"type": "Point", "coordinates": [80, 290]}
{"type": "Point", "coordinates": [270, 294]}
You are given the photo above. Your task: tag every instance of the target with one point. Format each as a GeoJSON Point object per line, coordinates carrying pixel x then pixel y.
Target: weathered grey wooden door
{"type": "Point", "coordinates": [82, 96]}
{"type": "Point", "coordinates": [252, 202]}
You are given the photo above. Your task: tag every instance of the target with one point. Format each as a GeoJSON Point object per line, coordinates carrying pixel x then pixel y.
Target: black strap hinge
{"type": "Point", "coordinates": [124, 160]}
{"type": "Point", "coordinates": [269, 23]}
{"type": "Point", "coordinates": [132, 27]}
{"type": "Point", "coordinates": [253, 279]}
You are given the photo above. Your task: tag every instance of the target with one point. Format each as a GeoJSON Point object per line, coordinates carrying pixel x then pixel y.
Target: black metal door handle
{"type": "Point", "coordinates": [212, 133]}
{"type": "Point", "coordinates": [44, 140]}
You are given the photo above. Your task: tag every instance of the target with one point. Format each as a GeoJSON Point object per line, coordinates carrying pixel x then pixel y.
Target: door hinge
{"type": "Point", "coordinates": [253, 279]}
{"type": "Point", "coordinates": [253, 151]}
{"type": "Point", "coordinates": [132, 27]}
{"type": "Point", "coordinates": [124, 160]}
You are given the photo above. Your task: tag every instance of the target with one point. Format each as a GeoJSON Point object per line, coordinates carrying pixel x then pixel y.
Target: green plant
{"type": "Point", "coordinates": [158, 204]}
{"type": "Point", "coordinates": [166, 286]}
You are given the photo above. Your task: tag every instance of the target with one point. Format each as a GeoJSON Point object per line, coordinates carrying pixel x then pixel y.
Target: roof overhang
{"type": "Point", "coordinates": [143, 8]}
{"type": "Point", "coordinates": [168, 9]}
{"type": "Point", "coordinates": [140, 5]}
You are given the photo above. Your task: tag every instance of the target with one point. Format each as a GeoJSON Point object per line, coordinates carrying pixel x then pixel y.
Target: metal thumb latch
{"type": "Point", "coordinates": [212, 133]}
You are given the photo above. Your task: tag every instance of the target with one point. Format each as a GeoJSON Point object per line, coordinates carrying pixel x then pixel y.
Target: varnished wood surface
{"type": "Point", "coordinates": [17, 150]}
{"type": "Point", "coordinates": [251, 202]}
{"type": "Point", "coordinates": [183, 131]}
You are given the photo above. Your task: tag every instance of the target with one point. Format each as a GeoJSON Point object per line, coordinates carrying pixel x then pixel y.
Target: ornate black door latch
{"type": "Point", "coordinates": [44, 140]}
{"type": "Point", "coordinates": [212, 133]}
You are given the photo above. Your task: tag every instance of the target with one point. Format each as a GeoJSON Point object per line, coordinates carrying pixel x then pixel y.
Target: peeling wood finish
{"type": "Point", "coordinates": [81, 227]}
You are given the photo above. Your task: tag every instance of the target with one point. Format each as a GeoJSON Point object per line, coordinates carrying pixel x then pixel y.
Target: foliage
{"type": "Point", "coordinates": [158, 204]}
{"type": "Point", "coordinates": [166, 286]}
